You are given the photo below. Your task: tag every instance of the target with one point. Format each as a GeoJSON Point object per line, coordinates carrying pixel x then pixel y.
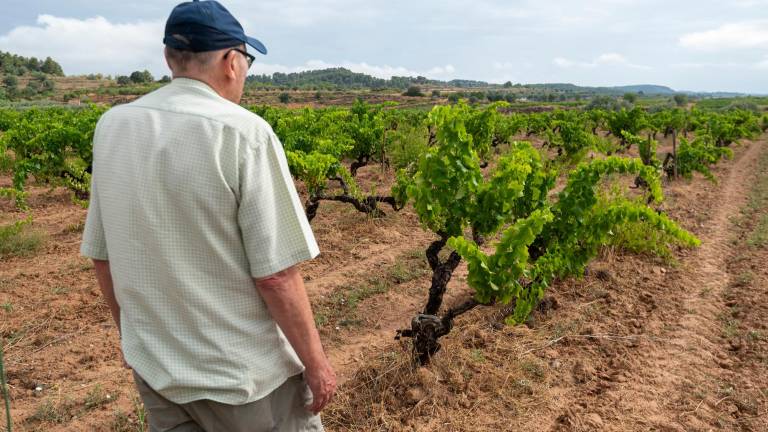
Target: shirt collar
{"type": "Point", "coordinates": [194, 83]}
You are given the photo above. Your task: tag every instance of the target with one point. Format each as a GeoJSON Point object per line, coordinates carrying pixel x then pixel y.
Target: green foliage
{"type": "Point", "coordinates": [414, 91]}
{"type": "Point", "coordinates": [496, 278]}
{"type": "Point", "coordinates": [141, 77]}
{"type": "Point", "coordinates": [54, 145]}
{"type": "Point", "coordinates": [571, 140]}
{"type": "Point", "coordinates": [647, 148]}
{"type": "Point", "coordinates": [728, 127]}
{"type": "Point", "coordinates": [639, 236]}
{"type": "Point", "coordinates": [12, 64]}
{"type": "Point", "coordinates": [8, 118]}
{"type": "Point", "coordinates": [624, 120]}
{"type": "Point", "coordinates": [404, 145]}
{"type": "Point", "coordinates": [697, 156]}
{"type": "Point", "coordinates": [366, 129]}
{"type": "Point", "coordinates": [630, 97]}
{"type": "Point", "coordinates": [681, 99]}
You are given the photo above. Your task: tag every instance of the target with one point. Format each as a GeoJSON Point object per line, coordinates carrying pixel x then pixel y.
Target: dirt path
{"type": "Point", "coordinates": [678, 380]}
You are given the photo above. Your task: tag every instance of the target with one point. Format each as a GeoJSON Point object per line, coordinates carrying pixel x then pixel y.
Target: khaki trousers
{"type": "Point", "coordinates": [280, 411]}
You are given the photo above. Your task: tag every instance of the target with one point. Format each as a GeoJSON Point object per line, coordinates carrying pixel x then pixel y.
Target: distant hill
{"type": "Point", "coordinates": [345, 78]}
{"type": "Point", "coordinates": [646, 89]}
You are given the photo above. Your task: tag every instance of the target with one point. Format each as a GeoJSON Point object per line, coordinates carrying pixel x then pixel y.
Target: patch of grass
{"type": "Point", "coordinates": [340, 308]}
{"type": "Point", "coordinates": [407, 271]}
{"type": "Point", "coordinates": [51, 412]}
{"type": "Point", "coordinates": [75, 227]}
{"type": "Point", "coordinates": [7, 306]}
{"type": "Point", "coordinates": [757, 206]}
{"type": "Point", "coordinates": [135, 421]}
{"type": "Point", "coordinates": [18, 239]}
{"type": "Point", "coordinates": [320, 318]}
{"type": "Point", "coordinates": [759, 236]}
{"type": "Point", "coordinates": [477, 356]}
{"type": "Point", "coordinates": [97, 397]}
{"type": "Point", "coordinates": [730, 326]}
{"type": "Point", "coordinates": [744, 278]}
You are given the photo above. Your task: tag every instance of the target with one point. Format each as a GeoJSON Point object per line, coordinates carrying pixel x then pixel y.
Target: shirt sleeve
{"type": "Point", "coordinates": [94, 243]}
{"type": "Point", "coordinates": [275, 231]}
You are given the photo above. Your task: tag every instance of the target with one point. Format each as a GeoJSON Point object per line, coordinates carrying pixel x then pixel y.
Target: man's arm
{"type": "Point", "coordinates": [286, 298]}
{"type": "Point", "coordinates": [104, 277]}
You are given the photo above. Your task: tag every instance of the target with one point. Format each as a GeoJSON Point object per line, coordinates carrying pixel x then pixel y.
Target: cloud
{"type": "Point", "coordinates": [90, 45]}
{"type": "Point", "coordinates": [97, 45]}
{"type": "Point", "coordinates": [741, 35]}
{"type": "Point", "coordinates": [385, 71]}
{"type": "Point", "coordinates": [608, 59]}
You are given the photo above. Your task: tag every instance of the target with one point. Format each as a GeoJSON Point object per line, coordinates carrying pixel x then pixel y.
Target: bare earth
{"type": "Point", "coordinates": [637, 344]}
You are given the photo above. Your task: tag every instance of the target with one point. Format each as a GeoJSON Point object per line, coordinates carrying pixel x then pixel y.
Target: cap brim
{"type": "Point", "coordinates": [256, 44]}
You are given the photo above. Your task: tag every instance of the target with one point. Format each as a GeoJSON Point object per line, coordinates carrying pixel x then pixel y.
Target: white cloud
{"type": "Point", "coordinates": [763, 64]}
{"type": "Point", "coordinates": [748, 34]}
{"type": "Point", "coordinates": [97, 45]}
{"type": "Point", "coordinates": [608, 59]}
{"type": "Point", "coordinates": [385, 71]}
{"type": "Point", "coordinates": [90, 45]}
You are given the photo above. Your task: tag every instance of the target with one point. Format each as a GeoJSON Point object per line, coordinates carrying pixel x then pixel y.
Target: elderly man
{"type": "Point", "coordinates": [195, 229]}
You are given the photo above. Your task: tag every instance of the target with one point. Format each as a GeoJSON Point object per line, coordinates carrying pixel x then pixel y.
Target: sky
{"type": "Point", "coordinates": [696, 45]}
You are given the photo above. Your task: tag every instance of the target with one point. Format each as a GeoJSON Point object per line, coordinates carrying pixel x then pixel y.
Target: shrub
{"type": "Point", "coordinates": [414, 91]}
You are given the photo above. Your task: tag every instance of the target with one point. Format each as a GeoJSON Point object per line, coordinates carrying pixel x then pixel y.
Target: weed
{"type": "Point", "coordinates": [745, 278]}
{"type": "Point", "coordinates": [75, 227]}
{"type": "Point", "coordinates": [97, 397]}
{"type": "Point", "coordinates": [135, 421]}
{"type": "Point", "coordinates": [18, 240]}
{"type": "Point", "coordinates": [7, 306]}
{"type": "Point", "coordinates": [51, 412]}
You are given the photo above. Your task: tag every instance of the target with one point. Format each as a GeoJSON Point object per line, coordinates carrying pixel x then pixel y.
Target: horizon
{"type": "Point", "coordinates": [700, 47]}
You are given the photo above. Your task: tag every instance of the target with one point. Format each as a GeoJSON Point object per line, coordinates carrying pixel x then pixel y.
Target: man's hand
{"type": "Point", "coordinates": [322, 382]}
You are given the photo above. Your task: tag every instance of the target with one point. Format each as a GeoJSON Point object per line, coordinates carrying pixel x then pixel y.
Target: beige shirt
{"type": "Point", "coordinates": [191, 198]}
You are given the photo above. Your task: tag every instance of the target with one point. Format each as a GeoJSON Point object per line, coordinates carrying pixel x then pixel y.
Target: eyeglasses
{"type": "Point", "coordinates": [248, 57]}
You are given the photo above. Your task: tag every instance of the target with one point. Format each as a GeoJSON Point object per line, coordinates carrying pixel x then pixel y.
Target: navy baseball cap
{"type": "Point", "coordinates": [205, 26]}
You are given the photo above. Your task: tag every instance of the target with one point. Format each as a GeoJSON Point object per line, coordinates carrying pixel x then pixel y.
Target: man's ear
{"type": "Point", "coordinates": [230, 68]}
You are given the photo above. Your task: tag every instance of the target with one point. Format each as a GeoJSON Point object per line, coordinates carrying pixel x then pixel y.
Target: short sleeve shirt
{"type": "Point", "coordinates": [191, 198]}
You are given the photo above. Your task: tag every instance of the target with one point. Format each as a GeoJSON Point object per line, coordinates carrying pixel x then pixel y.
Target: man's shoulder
{"type": "Point", "coordinates": [202, 106]}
